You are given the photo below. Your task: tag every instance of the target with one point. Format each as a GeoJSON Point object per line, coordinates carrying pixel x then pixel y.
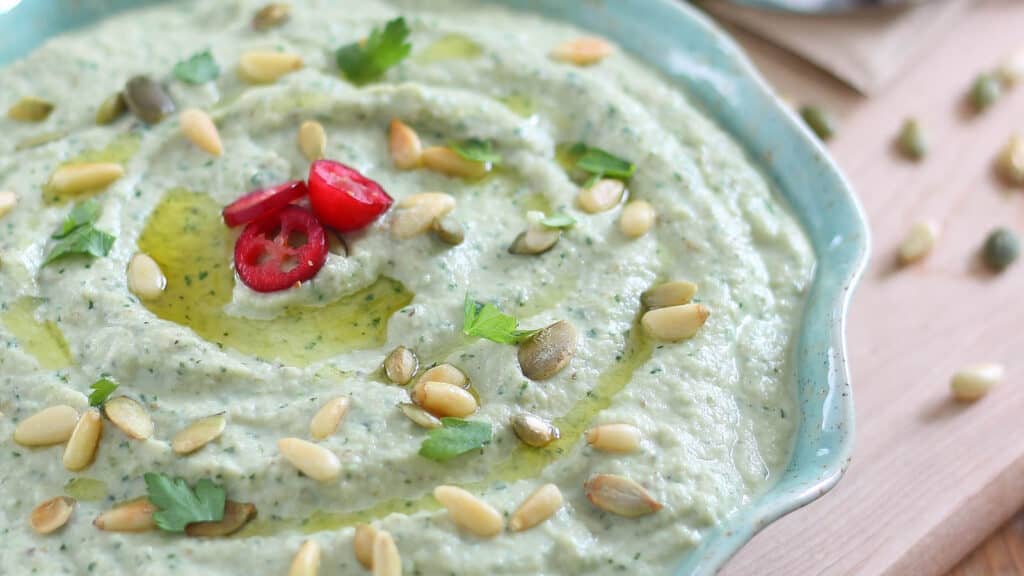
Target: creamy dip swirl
{"type": "Point", "coordinates": [716, 412]}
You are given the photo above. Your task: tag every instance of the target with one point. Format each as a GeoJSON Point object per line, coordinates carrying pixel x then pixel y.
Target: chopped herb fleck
{"type": "Point", "coordinates": [364, 62]}
{"type": "Point", "coordinates": [200, 68]}
{"type": "Point", "coordinates": [101, 390]}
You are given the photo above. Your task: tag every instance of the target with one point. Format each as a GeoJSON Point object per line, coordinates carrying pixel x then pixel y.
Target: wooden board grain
{"type": "Point", "coordinates": [930, 478]}
{"type": "Point", "coordinates": [1002, 554]}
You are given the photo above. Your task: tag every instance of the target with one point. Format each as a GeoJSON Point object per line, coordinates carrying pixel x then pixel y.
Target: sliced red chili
{"type": "Point", "coordinates": [263, 202]}
{"type": "Point", "coordinates": [343, 198]}
{"type": "Point", "coordinates": [281, 250]}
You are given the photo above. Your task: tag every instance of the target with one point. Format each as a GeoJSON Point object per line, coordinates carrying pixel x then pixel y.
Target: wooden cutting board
{"type": "Point", "coordinates": [930, 478]}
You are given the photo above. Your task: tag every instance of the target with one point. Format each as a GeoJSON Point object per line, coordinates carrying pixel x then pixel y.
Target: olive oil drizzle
{"type": "Point", "coordinates": [42, 339]}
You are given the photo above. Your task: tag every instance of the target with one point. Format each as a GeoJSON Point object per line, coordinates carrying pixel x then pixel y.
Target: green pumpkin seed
{"type": "Point", "coordinates": [1002, 248]}
{"type": "Point", "coordinates": [819, 121]}
{"type": "Point", "coordinates": [986, 90]}
{"type": "Point", "coordinates": [111, 109]}
{"type": "Point", "coordinates": [147, 99]}
{"type": "Point", "coordinates": [30, 109]}
{"type": "Point", "coordinates": [911, 140]}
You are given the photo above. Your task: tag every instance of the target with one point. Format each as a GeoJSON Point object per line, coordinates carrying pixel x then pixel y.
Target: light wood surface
{"type": "Point", "coordinates": [1002, 554]}
{"type": "Point", "coordinates": [930, 478]}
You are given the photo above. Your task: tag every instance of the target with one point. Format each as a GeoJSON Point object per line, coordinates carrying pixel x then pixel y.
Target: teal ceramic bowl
{"type": "Point", "coordinates": [691, 51]}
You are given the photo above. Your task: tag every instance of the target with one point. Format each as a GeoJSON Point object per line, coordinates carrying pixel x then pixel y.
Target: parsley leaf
{"type": "Point", "coordinates": [455, 437]}
{"type": "Point", "coordinates": [82, 241]}
{"type": "Point", "coordinates": [101, 390]}
{"type": "Point", "coordinates": [560, 221]}
{"type": "Point", "coordinates": [476, 150]}
{"type": "Point", "coordinates": [198, 69]}
{"type": "Point", "coordinates": [179, 505]}
{"type": "Point", "coordinates": [487, 321]}
{"type": "Point", "coordinates": [601, 163]}
{"type": "Point", "coordinates": [363, 62]}
{"type": "Point", "coordinates": [83, 213]}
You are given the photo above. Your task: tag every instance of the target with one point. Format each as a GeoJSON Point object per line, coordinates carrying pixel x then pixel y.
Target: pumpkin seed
{"type": "Point", "coordinates": [312, 140]}
{"type": "Point", "coordinates": [129, 416]}
{"type": "Point", "coordinates": [619, 495]}
{"type": "Point", "coordinates": [985, 91]}
{"type": "Point", "coordinates": [363, 544]}
{"type": "Point", "coordinates": [637, 218]}
{"type": "Point", "coordinates": [386, 560]}
{"type": "Point", "coordinates": [911, 140]}
{"type": "Point", "coordinates": [548, 351]}
{"type": "Point", "coordinates": [602, 196]}
{"type": "Point", "coordinates": [199, 434]}
{"type": "Point", "coordinates": [314, 461]}
{"type": "Point", "coordinates": [74, 179]}
{"type": "Point", "coordinates": [85, 439]}
{"type": "Point", "coordinates": [400, 365]}
{"type": "Point", "coordinates": [111, 109]}
{"type": "Point", "coordinates": [306, 561]}
{"type": "Point", "coordinates": [445, 373]}
{"type": "Point", "coordinates": [404, 144]}
{"type": "Point", "coordinates": [918, 242]}
{"type": "Point", "coordinates": [621, 438]}
{"type": "Point", "coordinates": [674, 323]}
{"type": "Point", "coordinates": [148, 99]}
{"type": "Point", "coordinates": [537, 507]}
{"type": "Point", "coordinates": [469, 512]}
{"type": "Point", "coordinates": [583, 51]}
{"type": "Point", "coordinates": [972, 382]}
{"type": "Point", "coordinates": [1010, 164]}
{"type": "Point", "coordinates": [448, 162]}
{"type": "Point", "coordinates": [443, 399]}
{"type": "Point", "coordinates": [8, 200]}
{"type": "Point", "coordinates": [264, 67]}
{"type": "Point", "coordinates": [534, 430]}
{"type": "Point", "coordinates": [819, 121]}
{"type": "Point", "coordinates": [236, 516]}
{"type": "Point", "coordinates": [51, 515]}
{"type": "Point", "coordinates": [53, 425]}
{"type": "Point", "coordinates": [537, 239]}
{"type": "Point", "coordinates": [199, 129]}
{"type": "Point", "coordinates": [449, 230]}
{"type": "Point", "coordinates": [30, 109]}
{"type": "Point", "coordinates": [1001, 249]}
{"type": "Point", "coordinates": [669, 294]}
{"type": "Point", "coordinates": [271, 16]}
{"type": "Point", "coordinates": [134, 516]}
{"type": "Point", "coordinates": [145, 279]}
{"type": "Point", "coordinates": [420, 416]}
{"type": "Point", "coordinates": [328, 418]}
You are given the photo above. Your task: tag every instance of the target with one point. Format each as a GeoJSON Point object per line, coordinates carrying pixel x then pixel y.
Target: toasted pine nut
{"type": "Point", "coordinates": [443, 399]}
{"type": "Point", "coordinates": [145, 278]}
{"type": "Point", "coordinates": [445, 373]}
{"type": "Point", "coordinates": [200, 130]}
{"type": "Point", "coordinates": [404, 144]}
{"type": "Point", "coordinates": [129, 416]}
{"type": "Point", "coordinates": [448, 162]}
{"type": "Point", "coordinates": [583, 51]}
{"type": "Point", "coordinates": [8, 200]}
{"type": "Point", "coordinates": [619, 495]}
{"type": "Point", "coordinates": [670, 294]}
{"type": "Point", "coordinates": [537, 507]}
{"type": "Point", "coordinates": [469, 512]}
{"type": "Point", "coordinates": [81, 447]}
{"type": "Point", "coordinates": [73, 179]}
{"type": "Point", "coordinates": [236, 516]}
{"type": "Point", "coordinates": [1010, 163]}
{"type": "Point", "coordinates": [637, 218]}
{"type": "Point", "coordinates": [47, 427]}
{"type": "Point", "coordinates": [918, 242]}
{"type": "Point", "coordinates": [604, 195]}
{"type": "Point", "coordinates": [314, 461]}
{"type": "Point", "coordinates": [614, 438]}
{"type": "Point", "coordinates": [328, 418]}
{"type": "Point", "coordinates": [417, 213]}
{"type": "Point", "coordinates": [306, 561]}
{"type": "Point", "coordinates": [675, 323]}
{"type": "Point", "coordinates": [134, 516]}
{"type": "Point", "coordinates": [363, 544]}
{"type": "Point", "coordinates": [312, 140]}
{"type": "Point", "coordinates": [264, 67]}
{"type": "Point", "coordinates": [972, 382]}
{"type": "Point", "coordinates": [52, 514]}
{"type": "Point", "coordinates": [199, 434]}
{"type": "Point", "coordinates": [386, 561]}
{"type": "Point", "coordinates": [400, 365]}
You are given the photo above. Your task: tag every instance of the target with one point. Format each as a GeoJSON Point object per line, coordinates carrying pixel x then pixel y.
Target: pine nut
{"type": "Point", "coordinates": [445, 373]}
{"type": "Point", "coordinates": [443, 399]}
{"type": "Point", "coordinates": [1010, 163]}
{"type": "Point", "coordinates": [264, 67]}
{"type": "Point", "coordinates": [30, 109]}
{"type": "Point", "coordinates": [537, 239]}
{"type": "Point", "coordinates": [604, 195]}
{"type": "Point", "coordinates": [448, 230]}
{"type": "Point", "coordinates": [306, 561]}
{"type": "Point", "coordinates": [547, 352]}
{"type": "Point", "coordinates": [675, 323]}
{"type": "Point", "coordinates": [619, 495]}
{"type": "Point", "coordinates": [129, 416]}
{"type": "Point", "coordinates": [145, 278]}
{"type": "Point", "coordinates": [73, 179]}
{"type": "Point", "coordinates": [534, 430]}
{"type": "Point", "coordinates": [469, 512]}
{"type": "Point", "coordinates": [134, 516]}
{"type": "Point", "coordinates": [538, 507]}
{"type": "Point", "coordinates": [314, 461]}
{"type": "Point", "coordinates": [81, 447]}
{"type": "Point", "coordinates": [919, 242]}
{"type": "Point", "coordinates": [583, 51]}
{"type": "Point", "coordinates": [312, 140]}
{"type": "Point", "coordinates": [637, 218]}
{"type": "Point", "coordinates": [417, 213]}
{"type": "Point", "coordinates": [621, 438]}
{"type": "Point", "coordinates": [236, 516]}
{"type": "Point", "coordinates": [448, 162]}
{"type": "Point", "coordinates": [200, 130]}
{"type": "Point", "coordinates": [674, 293]}
{"type": "Point", "coordinates": [199, 434]}
{"type": "Point", "coordinates": [404, 144]}
{"type": "Point", "coordinates": [419, 416]}
{"type": "Point", "coordinates": [972, 382]}
{"type": "Point", "coordinates": [400, 365]}
{"type": "Point", "coordinates": [328, 418]}
{"type": "Point", "coordinates": [386, 561]}
{"type": "Point", "coordinates": [47, 427]}
{"type": "Point", "coordinates": [8, 200]}
{"type": "Point", "coordinates": [51, 515]}
{"type": "Point", "coordinates": [362, 543]}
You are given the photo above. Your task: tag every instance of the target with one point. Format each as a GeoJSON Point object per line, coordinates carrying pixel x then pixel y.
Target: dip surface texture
{"type": "Point", "coordinates": [716, 412]}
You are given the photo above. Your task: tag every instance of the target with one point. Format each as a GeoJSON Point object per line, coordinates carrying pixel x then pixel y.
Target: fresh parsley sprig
{"type": "Point", "coordinates": [455, 437]}
{"type": "Point", "coordinates": [180, 505]}
{"type": "Point", "coordinates": [101, 390]}
{"type": "Point", "coordinates": [78, 236]}
{"type": "Point", "coordinates": [477, 150]}
{"type": "Point", "coordinates": [200, 68]}
{"type": "Point", "coordinates": [365, 62]}
{"type": "Point", "coordinates": [487, 321]}
{"type": "Point", "coordinates": [600, 163]}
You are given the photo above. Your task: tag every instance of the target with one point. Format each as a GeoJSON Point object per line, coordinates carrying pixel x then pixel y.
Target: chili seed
{"type": "Point", "coordinates": [1002, 247]}
{"type": "Point", "coordinates": [911, 140]}
{"type": "Point", "coordinates": [819, 121]}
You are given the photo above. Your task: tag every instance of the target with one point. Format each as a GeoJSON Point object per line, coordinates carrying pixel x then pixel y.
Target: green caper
{"type": "Point", "coordinates": [449, 231]}
{"type": "Point", "coordinates": [985, 91]}
{"type": "Point", "coordinates": [30, 109]}
{"type": "Point", "coordinates": [911, 140]}
{"type": "Point", "coordinates": [111, 109]}
{"type": "Point", "coordinates": [271, 16]}
{"type": "Point", "coordinates": [1001, 249]}
{"type": "Point", "coordinates": [147, 99]}
{"type": "Point", "coordinates": [819, 121]}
